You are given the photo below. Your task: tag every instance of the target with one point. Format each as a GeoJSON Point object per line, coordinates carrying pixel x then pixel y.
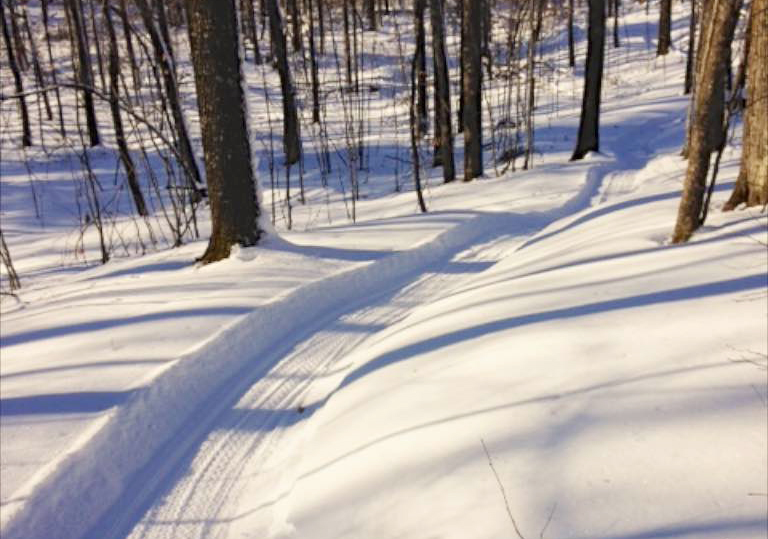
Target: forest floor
{"type": "Point", "coordinates": [530, 358]}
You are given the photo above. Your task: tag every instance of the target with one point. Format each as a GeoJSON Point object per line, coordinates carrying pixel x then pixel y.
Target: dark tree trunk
{"type": "Point", "coordinates": [616, 5]}
{"type": "Point", "coordinates": [313, 66]}
{"type": "Point", "coordinates": [114, 105]}
{"type": "Point", "coordinates": [18, 43]}
{"type": "Point", "coordinates": [370, 11]}
{"type": "Point", "coordinates": [223, 122]}
{"type": "Point", "coordinates": [413, 121]}
{"type": "Point", "coordinates": [26, 136]}
{"type": "Point", "coordinates": [321, 24]}
{"type": "Point", "coordinates": [443, 131]}
{"type": "Point", "coordinates": [421, 69]}
{"type": "Point", "coordinates": [589, 124]}
{"type": "Point", "coordinates": [251, 12]}
{"type": "Point", "coordinates": [665, 27]}
{"type": "Point", "coordinates": [571, 48]}
{"type": "Point", "coordinates": [752, 183]}
{"type": "Point", "coordinates": [462, 37]}
{"type": "Point", "coordinates": [347, 44]}
{"type": "Point", "coordinates": [716, 39]}
{"type": "Point", "coordinates": [291, 140]}
{"type": "Point", "coordinates": [293, 6]}
{"type": "Point", "coordinates": [84, 74]}
{"type": "Point", "coordinates": [128, 35]}
{"type": "Point", "coordinates": [472, 90]}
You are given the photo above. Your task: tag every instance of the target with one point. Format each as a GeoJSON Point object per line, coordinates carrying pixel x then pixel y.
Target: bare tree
{"type": "Point", "coordinates": [589, 124]}
{"type": "Point", "coordinates": [471, 52]}
{"type": "Point", "coordinates": [716, 39]}
{"type": "Point", "coordinates": [665, 28]}
{"type": "Point", "coordinates": [752, 183]}
{"type": "Point", "coordinates": [443, 130]}
{"type": "Point", "coordinates": [84, 71]}
{"type": "Point", "coordinates": [224, 125]}
{"type": "Point", "coordinates": [291, 139]}
{"type": "Point", "coordinates": [114, 106]}
{"type": "Point", "coordinates": [26, 136]}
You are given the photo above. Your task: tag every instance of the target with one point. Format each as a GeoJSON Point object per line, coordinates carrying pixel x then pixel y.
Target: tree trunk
{"type": "Point", "coordinates": [462, 37]}
{"type": "Point", "coordinates": [26, 136]}
{"type": "Point", "coordinates": [422, 116]}
{"type": "Point", "coordinates": [665, 27]}
{"type": "Point", "coordinates": [370, 10]}
{"type": "Point", "coordinates": [752, 183]}
{"type": "Point", "coordinates": [571, 48]}
{"type": "Point", "coordinates": [535, 16]}
{"type": "Point", "coordinates": [713, 48]}
{"type": "Point", "coordinates": [472, 90]}
{"type": "Point", "coordinates": [443, 131]}
{"type": "Point", "coordinates": [291, 140]}
{"type": "Point", "coordinates": [84, 74]}
{"type": "Point", "coordinates": [589, 124]}
{"type": "Point", "coordinates": [114, 92]}
{"type": "Point", "coordinates": [293, 6]}
{"type": "Point", "coordinates": [223, 121]}
{"type": "Point", "coordinates": [313, 66]}
{"type": "Point", "coordinates": [164, 60]}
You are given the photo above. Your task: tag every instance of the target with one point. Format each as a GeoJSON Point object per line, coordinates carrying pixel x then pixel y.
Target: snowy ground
{"type": "Point", "coordinates": [530, 354]}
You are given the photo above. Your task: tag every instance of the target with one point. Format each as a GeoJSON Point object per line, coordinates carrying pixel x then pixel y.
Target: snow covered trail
{"type": "Point", "coordinates": [191, 418]}
{"type": "Point", "coordinates": [249, 447]}
{"type": "Point", "coordinates": [129, 456]}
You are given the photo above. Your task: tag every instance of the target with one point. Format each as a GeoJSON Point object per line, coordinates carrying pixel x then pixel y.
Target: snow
{"type": "Point", "coordinates": [532, 349]}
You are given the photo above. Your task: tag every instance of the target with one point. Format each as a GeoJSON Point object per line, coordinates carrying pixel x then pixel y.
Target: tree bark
{"type": "Point", "coordinates": [589, 124]}
{"type": "Point", "coordinates": [422, 117]}
{"type": "Point", "coordinates": [571, 48]}
{"type": "Point", "coordinates": [26, 136]}
{"type": "Point", "coordinates": [665, 28]}
{"type": "Point", "coordinates": [223, 121]}
{"type": "Point", "coordinates": [291, 139]}
{"type": "Point", "coordinates": [443, 130]}
{"type": "Point", "coordinates": [713, 48]}
{"type": "Point", "coordinates": [84, 74]}
{"type": "Point", "coordinates": [114, 106]}
{"type": "Point", "coordinates": [752, 183]}
{"type": "Point", "coordinates": [164, 59]}
{"type": "Point", "coordinates": [471, 51]}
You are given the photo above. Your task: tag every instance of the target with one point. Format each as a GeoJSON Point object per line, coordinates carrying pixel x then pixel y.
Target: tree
{"type": "Point", "coordinates": [471, 52]}
{"type": "Point", "coordinates": [291, 140]}
{"type": "Point", "coordinates": [715, 41]}
{"type": "Point", "coordinates": [26, 137]}
{"type": "Point", "coordinates": [223, 122]}
{"type": "Point", "coordinates": [665, 28]}
{"type": "Point", "coordinates": [84, 71]}
{"type": "Point", "coordinates": [589, 124]}
{"type": "Point", "coordinates": [421, 67]}
{"type": "Point", "coordinates": [443, 131]}
{"type": "Point", "coordinates": [752, 183]}
{"type": "Point", "coordinates": [164, 59]}
{"type": "Point", "coordinates": [117, 120]}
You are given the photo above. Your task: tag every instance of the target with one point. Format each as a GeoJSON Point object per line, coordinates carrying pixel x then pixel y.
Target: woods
{"type": "Point", "coordinates": [332, 269]}
{"type": "Point", "coordinates": [80, 69]}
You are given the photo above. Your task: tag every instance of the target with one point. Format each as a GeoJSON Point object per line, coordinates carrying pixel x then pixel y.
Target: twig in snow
{"type": "Point", "coordinates": [501, 488]}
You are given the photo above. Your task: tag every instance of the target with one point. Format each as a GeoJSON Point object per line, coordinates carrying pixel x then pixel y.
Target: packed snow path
{"type": "Point", "coordinates": [253, 446]}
